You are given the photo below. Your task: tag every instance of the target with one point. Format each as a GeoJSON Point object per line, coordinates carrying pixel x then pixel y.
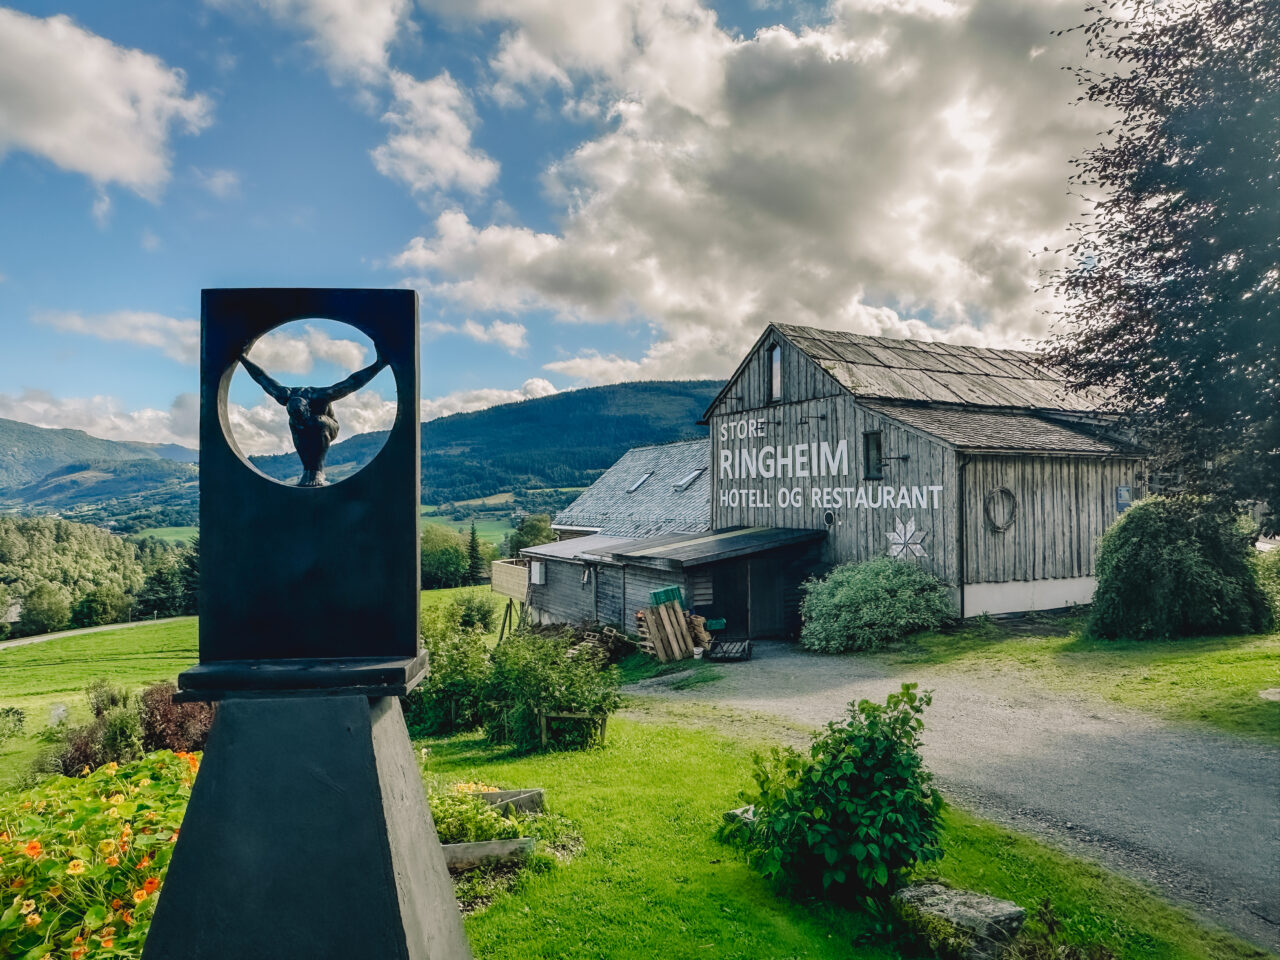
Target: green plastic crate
{"type": "Point", "coordinates": [666, 595]}
{"type": "Point", "coordinates": [714, 624]}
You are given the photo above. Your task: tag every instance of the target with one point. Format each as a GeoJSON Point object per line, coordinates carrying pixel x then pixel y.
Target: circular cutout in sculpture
{"type": "Point", "coordinates": [299, 389]}
{"type": "Point", "coordinates": [1000, 507]}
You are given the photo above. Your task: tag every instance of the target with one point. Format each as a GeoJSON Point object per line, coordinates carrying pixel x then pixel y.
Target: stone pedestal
{"type": "Point", "coordinates": [308, 835]}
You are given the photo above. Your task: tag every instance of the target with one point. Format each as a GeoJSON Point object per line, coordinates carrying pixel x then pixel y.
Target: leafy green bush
{"type": "Point", "coordinates": [12, 720]}
{"type": "Point", "coordinates": [864, 606]}
{"type": "Point", "coordinates": [103, 696]}
{"type": "Point", "coordinates": [533, 675]}
{"type": "Point", "coordinates": [99, 606]}
{"type": "Point", "coordinates": [858, 813]}
{"type": "Point", "coordinates": [45, 608]}
{"type": "Point", "coordinates": [449, 697]}
{"type": "Point", "coordinates": [475, 610]}
{"type": "Point", "coordinates": [1173, 567]}
{"type": "Point", "coordinates": [466, 818]}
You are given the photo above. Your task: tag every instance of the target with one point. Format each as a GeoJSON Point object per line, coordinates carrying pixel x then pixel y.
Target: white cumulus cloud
{"type": "Point", "coordinates": [90, 106]}
{"type": "Point", "coordinates": [430, 146]}
{"type": "Point", "coordinates": [888, 169]}
{"type": "Point", "coordinates": [104, 416]}
{"type": "Point", "coordinates": [510, 336]}
{"type": "Point", "coordinates": [221, 183]}
{"type": "Point", "coordinates": [352, 37]}
{"type": "Point", "coordinates": [465, 401]}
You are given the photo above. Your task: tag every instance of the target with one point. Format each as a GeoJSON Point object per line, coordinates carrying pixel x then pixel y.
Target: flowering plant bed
{"type": "Point", "coordinates": [82, 859]}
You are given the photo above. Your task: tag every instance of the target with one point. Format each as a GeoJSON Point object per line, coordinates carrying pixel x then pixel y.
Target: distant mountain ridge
{"type": "Point", "coordinates": [28, 453]}
{"type": "Point", "coordinates": [566, 439]}
{"type": "Point", "coordinates": [563, 440]}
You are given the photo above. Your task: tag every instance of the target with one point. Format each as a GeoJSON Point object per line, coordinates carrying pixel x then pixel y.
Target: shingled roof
{"type": "Point", "coordinates": [614, 506]}
{"type": "Point", "coordinates": [1013, 431]}
{"type": "Point", "coordinates": [915, 370]}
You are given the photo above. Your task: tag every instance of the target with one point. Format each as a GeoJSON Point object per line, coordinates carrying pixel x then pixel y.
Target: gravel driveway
{"type": "Point", "coordinates": [1195, 814]}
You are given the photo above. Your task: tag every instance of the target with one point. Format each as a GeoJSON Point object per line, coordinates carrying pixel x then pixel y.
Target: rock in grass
{"type": "Point", "coordinates": [960, 923]}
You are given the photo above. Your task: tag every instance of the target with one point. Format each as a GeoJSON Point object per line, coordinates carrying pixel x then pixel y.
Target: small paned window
{"type": "Point", "coordinates": [639, 483]}
{"type": "Point", "coordinates": [775, 373]}
{"type": "Point", "coordinates": [687, 481]}
{"type": "Point", "coordinates": [872, 456]}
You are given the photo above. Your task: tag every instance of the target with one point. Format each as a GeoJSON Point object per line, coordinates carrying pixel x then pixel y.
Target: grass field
{"type": "Point", "coordinates": [653, 882]}
{"type": "Point", "coordinates": [171, 534]}
{"type": "Point", "coordinates": [489, 530]}
{"type": "Point", "coordinates": [40, 675]}
{"type": "Point", "coordinates": [1211, 681]}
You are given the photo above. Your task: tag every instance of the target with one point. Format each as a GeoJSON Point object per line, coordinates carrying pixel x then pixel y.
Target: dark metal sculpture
{"type": "Point", "coordinates": [311, 419]}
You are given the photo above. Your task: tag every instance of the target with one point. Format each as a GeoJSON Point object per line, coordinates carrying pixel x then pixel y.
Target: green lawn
{"type": "Point", "coordinates": [490, 530]}
{"type": "Point", "coordinates": [1212, 681]}
{"type": "Point", "coordinates": [171, 534]}
{"type": "Point", "coordinates": [653, 882]}
{"type": "Point", "coordinates": [38, 676]}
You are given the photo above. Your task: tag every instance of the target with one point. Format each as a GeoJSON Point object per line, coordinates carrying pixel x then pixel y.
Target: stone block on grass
{"type": "Point", "coordinates": [960, 923]}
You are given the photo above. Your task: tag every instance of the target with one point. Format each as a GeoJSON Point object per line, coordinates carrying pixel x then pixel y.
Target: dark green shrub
{"type": "Point", "coordinates": [449, 697]}
{"type": "Point", "coordinates": [475, 610]}
{"type": "Point", "coordinates": [1266, 567]}
{"type": "Point", "coordinates": [864, 606]}
{"type": "Point", "coordinates": [443, 557]}
{"type": "Point", "coordinates": [858, 813]}
{"type": "Point", "coordinates": [180, 727]}
{"type": "Point", "coordinates": [533, 675]}
{"type": "Point", "coordinates": [1176, 567]}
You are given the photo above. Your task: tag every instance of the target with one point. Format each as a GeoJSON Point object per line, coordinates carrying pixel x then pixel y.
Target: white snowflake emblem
{"type": "Point", "coordinates": [906, 540]}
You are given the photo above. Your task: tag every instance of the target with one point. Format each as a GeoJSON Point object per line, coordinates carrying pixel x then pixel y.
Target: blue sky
{"type": "Point", "coordinates": [582, 192]}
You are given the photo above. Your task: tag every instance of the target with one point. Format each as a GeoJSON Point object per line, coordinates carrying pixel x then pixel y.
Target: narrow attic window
{"type": "Point", "coordinates": [687, 481]}
{"type": "Point", "coordinates": [775, 373]}
{"type": "Point", "coordinates": [639, 483]}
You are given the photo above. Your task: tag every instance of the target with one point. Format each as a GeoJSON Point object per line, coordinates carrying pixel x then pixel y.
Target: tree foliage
{"type": "Point", "coordinates": [476, 567]}
{"type": "Point", "coordinates": [76, 557]}
{"type": "Point", "coordinates": [444, 558]}
{"type": "Point", "coordinates": [1177, 567]}
{"type": "Point", "coordinates": [1170, 299]}
{"type": "Point", "coordinates": [534, 529]}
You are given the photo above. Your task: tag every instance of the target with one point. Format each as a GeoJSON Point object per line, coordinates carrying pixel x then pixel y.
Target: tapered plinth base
{"type": "Point", "coordinates": [308, 835]}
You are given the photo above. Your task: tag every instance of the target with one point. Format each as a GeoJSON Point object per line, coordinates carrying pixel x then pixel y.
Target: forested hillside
{"type": "Point", "coordinates": [28, 453]}
{"type": "Point", "coordinates": [564, 440]}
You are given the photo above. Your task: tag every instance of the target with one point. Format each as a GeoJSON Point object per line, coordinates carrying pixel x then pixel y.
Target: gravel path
{"type": "Point", "coordinates": [42, 637]}
{"type": "Point", "coordinates": [1195, 814]}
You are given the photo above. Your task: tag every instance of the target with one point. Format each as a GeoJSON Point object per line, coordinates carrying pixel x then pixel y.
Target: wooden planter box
{"type": "Point", "coordinates": [461, 857]}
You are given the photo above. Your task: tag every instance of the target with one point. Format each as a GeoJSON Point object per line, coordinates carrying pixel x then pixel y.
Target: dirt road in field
{"type": "Point", "coordinates": [1195, 814]}
{"type": "Point", "coordinates": [42, 637]}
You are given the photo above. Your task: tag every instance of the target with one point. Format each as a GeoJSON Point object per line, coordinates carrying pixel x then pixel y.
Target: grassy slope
{"type": "Point", "coordinates": [37, 676]}
{"type": "Point", "coordinates": [1211, 681]}
{"type": "Point", "coordinates": [652, 881]}
{"type": "Point", "coordinates": [172, 534]}
{"type": "Point", "coordinates": [492, 531]}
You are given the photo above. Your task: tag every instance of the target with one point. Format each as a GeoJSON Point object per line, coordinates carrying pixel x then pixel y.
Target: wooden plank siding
{"type": "Point", "coordinates": [564, 596]}
{"type": "Point", "coordinates": [1064, 504]}
{"type": "Point", "coordinates": [858, 533]}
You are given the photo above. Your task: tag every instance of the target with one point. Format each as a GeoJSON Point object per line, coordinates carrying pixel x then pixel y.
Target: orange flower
{"type": "Point", "coordinates": [85, 771]}
{"type": "Point", "coordinates": [17, 882]}
{"type": "Point", "coordinates": [106, 943]}
{"type": "Point", "coordinates": [113, 861]}
{"type": "Point", "coordinates": [126, 830]}
{"type": "Point", "coordinates": [139, 896]}
{"type": "Point", "coordinates": [127, 917]}
{"type": "Point", "coordinates": [33, 920]}
{"type": "Point", "coordinates": [33, 849]}
{"type": "Point", "coordinates": [75, 868]}
{"type": "Point", "coordinates": [4, 836]}
{"type": "Point", "coordinates": [144, 863]}
{"type": "Point", "coordinates": [79, 952]}
{"type": "Point", "coordinates": [151, 885]}
{"type": "Point", "coordinates": [117, 903]}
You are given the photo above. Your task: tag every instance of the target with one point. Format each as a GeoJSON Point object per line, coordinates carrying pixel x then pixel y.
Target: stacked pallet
{"type": "Point", "coordinates": [664, 632]}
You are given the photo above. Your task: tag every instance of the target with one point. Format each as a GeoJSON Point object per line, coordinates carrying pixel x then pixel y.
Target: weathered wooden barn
{"type": "Point", "coordinates": [828, 447]}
